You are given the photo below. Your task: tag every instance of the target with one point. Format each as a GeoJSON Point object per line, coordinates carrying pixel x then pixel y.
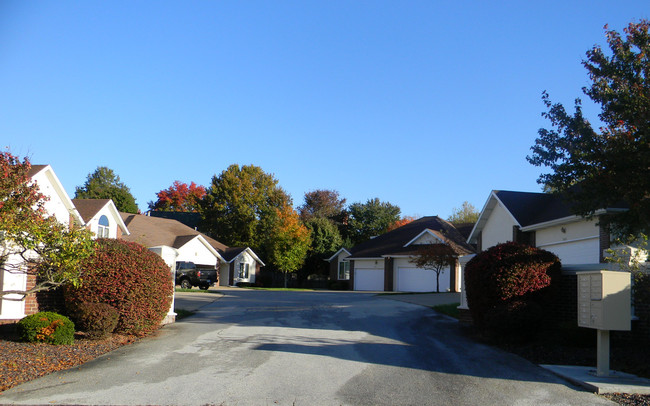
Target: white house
{"type": "Point", "coordinates": [234, 264]}
{"type": "Point", "coordinates": [189, 244]}
{"type": "Point", "coordinates": [101, 217]}
{"type": "Point", "coordinates": [59, 205]}
{"type": "Point", "coordinates": [384, 262]}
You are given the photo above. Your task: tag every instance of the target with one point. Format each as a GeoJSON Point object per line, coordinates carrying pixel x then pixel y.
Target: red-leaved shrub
{"type": "Point", "coordinates": [503, 278]}
{"type": "Point", "coordinates": [131, 279]}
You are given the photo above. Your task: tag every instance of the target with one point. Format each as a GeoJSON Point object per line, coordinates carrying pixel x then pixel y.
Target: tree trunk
{"type": "Point", "coordinates": [285, 279]}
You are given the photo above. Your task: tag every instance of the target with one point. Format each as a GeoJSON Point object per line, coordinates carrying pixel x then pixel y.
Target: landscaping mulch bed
{"type": "Point", "coordinates": [21, 362]}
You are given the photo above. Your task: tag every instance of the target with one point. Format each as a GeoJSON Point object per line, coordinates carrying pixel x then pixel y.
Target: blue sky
{"type": "Point", "coordinates": [424, 104]}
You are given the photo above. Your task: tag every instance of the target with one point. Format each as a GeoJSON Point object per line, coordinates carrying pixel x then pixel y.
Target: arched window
{"type": "Point", "coordinates": [102, 228]}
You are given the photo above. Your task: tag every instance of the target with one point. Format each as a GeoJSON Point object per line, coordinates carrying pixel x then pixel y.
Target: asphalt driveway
{"type": "Point", "coordinates": [306, 348]}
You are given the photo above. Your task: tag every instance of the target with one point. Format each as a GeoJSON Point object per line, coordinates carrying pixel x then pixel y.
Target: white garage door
{"type": "Point", "coordinates": [368, 279]}
{"type": "Point", "coordinates": [418, 280]}
{"type": "Point", "coordinates": [576, 252]}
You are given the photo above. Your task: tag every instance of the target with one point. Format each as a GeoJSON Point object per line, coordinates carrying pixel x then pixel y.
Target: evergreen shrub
{"type": "Point", "coordinates": [46, 327]}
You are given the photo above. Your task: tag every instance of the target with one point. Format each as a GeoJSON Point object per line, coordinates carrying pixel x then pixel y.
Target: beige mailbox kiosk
{"type": "Point", "coordinates": [604, 303]}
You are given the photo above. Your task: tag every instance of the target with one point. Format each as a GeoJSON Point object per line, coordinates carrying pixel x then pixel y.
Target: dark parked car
{"type": "Point", "coordinates": [188, 274]}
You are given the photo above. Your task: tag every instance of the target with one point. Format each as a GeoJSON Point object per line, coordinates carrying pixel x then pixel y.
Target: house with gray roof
{"type": "Point", "coordinates": [384, 262]}
{"type": "Point", "coordinates": [542, 220]}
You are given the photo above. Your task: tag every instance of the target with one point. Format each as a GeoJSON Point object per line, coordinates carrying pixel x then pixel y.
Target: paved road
{"type": "Point", "coordinates": [306, 348]}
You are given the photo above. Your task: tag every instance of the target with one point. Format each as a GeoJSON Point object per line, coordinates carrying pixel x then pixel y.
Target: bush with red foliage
{"type": "Point", "coordinates": [505, 275]}
{"type": "Point", "coordinates": [131, 279]}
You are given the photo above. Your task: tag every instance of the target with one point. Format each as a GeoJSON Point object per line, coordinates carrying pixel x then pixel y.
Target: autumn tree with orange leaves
{"type": "Point", "coordinates": [179, 197]}
{"type": "Point", "coordinates": [290, 242]}
{"type": "Point", "coordinates": [401, 222]}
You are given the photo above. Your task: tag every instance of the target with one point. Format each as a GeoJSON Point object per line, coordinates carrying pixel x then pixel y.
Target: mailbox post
{"type": "Point", "coordinates": [604, 303]}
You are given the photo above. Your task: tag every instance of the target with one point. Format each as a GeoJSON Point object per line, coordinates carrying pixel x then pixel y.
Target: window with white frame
{"type": "Point", "coordinates": [103, 227]}
{"type": "Point", "coordinates": [344, 270]}
{"type": "Point", "coordinates": [243, 271]}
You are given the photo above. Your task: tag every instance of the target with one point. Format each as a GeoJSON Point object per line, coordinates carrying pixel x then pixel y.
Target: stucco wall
{"type": "Point", "coordinates": [195, 251]}
{"type": "Point", "coordinates": [369, 263]}
{"type": "Point", "coordinates": [245, 258]}
{"type": "Point", "coordinates": [93, 224]}
{"type": "Point", "coordinates": [498, 228]}
{"type": "Point", "coordinates": [574, 243]}
{"type": "Point", "coordinates": [54, 205]}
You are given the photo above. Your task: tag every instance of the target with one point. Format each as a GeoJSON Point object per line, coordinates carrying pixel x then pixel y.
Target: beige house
{"type": "Point", "coordinates": [384, 262]}
{"type": "Point", "coordinates": [541, 220]}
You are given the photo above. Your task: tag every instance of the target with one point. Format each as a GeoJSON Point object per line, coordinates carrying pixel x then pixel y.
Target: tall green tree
{"type": "Point", "coordinates": [370, 219]}
{"type": "Point", "coordinates": [31, 241]}
{"type": "Point", "coordinates": [104, 183]}
{"type": "Point", "coordinates": [599, 168]}
{"type": "Point", "coordinates": [326, 239]}
{"type": "Point", "coordinates": [466, 213]}
{"type": "Point", "coordinates": [322, 203]}
{"type": "Point", "coordinates": [241, 207]}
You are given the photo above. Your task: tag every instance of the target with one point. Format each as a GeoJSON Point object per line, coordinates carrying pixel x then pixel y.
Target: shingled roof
{"type": "Point", "coordinates": [155, 231]}
{"type": "Point", "coordinates": [535, 208]}
{"type": "Point", "coordinates": [88, 208]}
{"type": "Point", "coordinates": [395, 242]}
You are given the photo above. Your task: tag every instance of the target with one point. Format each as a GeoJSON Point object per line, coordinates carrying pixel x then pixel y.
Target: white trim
{"type": "Point", "coordinates": [113, 209]}
{"type": "Point", "coordinates": [364, 259]}
{"type": "Point", "coordinates": [486, 212]}
{"type": "Point", "coordinates": [250, 252]}
{"type": "Point", "coordinates": [568, 241]}
{"type": "Point", "coordinates": [398, 256]}
{"type": "Point", "coordinates": [564, 220]}
{"type": "Point", "coordinates": [207, 245]}
{"type": "Point", "coordinates": [336, 254]}
{"type": "Point", "coordinates": [60, 190]}
{"type": "Point", "coordinates": [425, 231]}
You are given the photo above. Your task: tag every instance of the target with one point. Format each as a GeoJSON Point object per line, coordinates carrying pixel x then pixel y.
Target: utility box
{"type": "Point", "coordinates": [604, 300]}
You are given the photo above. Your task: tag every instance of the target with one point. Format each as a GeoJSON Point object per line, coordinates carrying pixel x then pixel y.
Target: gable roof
{"type": "Point", "coordinates": [398, 242]}
{"type": "Point", "coordinates": [58, 188]}
{"type": "Point", "coordinates": [530, 210]}
{"type": "Point", "coordinates": [156, 231]}
{"type": "Point", "coordinates": [337, 253]}
{"type": "Point", "coordinates": [230, 254]}
{"type": "Point", "coordinates": [89, 208]}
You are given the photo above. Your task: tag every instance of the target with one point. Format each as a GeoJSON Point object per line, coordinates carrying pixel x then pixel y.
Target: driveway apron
{"type": "Point", "coordinates": [305, 348]}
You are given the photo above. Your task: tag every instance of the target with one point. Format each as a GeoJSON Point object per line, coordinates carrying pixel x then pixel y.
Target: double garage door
{"type": "Point", "coordinates": [406, 280]}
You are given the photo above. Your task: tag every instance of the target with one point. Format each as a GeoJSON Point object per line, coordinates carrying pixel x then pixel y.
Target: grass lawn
{"type": "Point", "coordinates": [448, 309]}
{"type": "Point", "coordinates": [182, 313]}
